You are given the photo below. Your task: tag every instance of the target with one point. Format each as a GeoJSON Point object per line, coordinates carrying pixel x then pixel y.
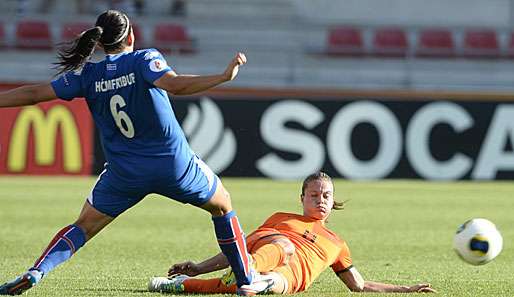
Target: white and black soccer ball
{"type": "Point", "coordinates": [477, 241]}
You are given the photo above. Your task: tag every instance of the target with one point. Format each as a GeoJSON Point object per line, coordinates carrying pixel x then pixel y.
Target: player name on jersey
{"type": "Point", "coordinates": [115, 83]}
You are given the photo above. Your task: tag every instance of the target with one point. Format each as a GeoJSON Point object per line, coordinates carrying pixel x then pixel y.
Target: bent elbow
{"type": "Point", "coordinates": [175, 91]}
{"type": "Point", "coordinates": [39, 93]}
{"type": "Point", "coordinates": [357, 288]}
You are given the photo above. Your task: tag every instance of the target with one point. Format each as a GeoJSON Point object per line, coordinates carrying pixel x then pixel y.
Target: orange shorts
{"type": "Point", "coordinates": [264, 236]}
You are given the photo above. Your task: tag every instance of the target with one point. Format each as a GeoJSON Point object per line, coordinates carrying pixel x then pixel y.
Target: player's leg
{"type": "Point", "coordinates": [181, 284]}
{"type": "Point", "coordinates": [231, 240]}
{"type": "Point", "coordinates": [207, 286]}
{"type": "Point", "coordinates": [108, 199]}
{"type": "Point", "coordinates": [280, 283]}
{"type": "Point", "coordinates": [71, 238]}
{"type": "Point", "coordinates": [102, 206]}
{"type": "Point", "coordinates": [199, 186]}
{"type": "Point", "coordinates": [269, 249]}
{"type": "Point", "coordinates": [62, 246]}
{"type": "Point", "coordinates": [229, 233]}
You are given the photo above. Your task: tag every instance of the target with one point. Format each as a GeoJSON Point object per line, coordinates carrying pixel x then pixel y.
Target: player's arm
{"type": "Point", "coordinates": [189, 268]}
{"type": "Point", "coordinates": [183, 84]}
{"type": "Point", "coordinates": [354, 281]}
{"type": "Point", "coordinates": [27, 95]}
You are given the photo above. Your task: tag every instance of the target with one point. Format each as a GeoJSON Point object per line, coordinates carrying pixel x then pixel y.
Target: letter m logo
{"type": "Point", "coordinates": [45, 135]}
{"type": "Point", "coordinates": [47, 139]}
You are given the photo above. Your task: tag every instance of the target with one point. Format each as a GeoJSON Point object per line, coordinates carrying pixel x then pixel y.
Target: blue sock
{"type": "Point", "coordinates": [233, 244]}
{"type": "Point", "coordinates": [64, 244]}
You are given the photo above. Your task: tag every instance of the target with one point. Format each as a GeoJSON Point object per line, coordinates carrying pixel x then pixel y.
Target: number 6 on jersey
{"type": "Point", "coordinates": [121, 116]}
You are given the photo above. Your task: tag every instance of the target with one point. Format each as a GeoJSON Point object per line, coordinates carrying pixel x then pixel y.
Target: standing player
{"type": "Point", "coordinates": [145, 148]}
{"type": "Point", "coordinates": [291, 249]}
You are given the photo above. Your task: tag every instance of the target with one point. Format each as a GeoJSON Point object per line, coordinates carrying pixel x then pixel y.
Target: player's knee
{"type": "Point", "coordinates": [218, 211]}
{"type": "Point", "coordinates": [287, 247]}
{"type": "Point", "coordinates": [89, 229]}
{"type": "Point", "coordinates": [220, 204]}
{"type": "Point", "coordinates": [227, 199]}
{"type": "Point", "coordinates": [91, 221]}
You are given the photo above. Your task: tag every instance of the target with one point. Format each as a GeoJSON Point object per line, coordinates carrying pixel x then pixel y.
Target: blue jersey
{"type": "Point", "coordinates": [140, 134]}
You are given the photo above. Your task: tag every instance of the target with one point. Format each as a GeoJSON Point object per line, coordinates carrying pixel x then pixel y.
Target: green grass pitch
{"type": "Point", "coordinates": [398, 231]}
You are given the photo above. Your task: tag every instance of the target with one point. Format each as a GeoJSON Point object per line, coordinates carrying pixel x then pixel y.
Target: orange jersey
{"type": "Point", "coordinates": [316, 248]}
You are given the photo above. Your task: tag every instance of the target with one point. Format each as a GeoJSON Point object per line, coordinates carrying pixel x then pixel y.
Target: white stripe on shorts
{"type": "Point", "coordinates": [206, 170]}
{"type": "Point", "coordinates": [90, 197]}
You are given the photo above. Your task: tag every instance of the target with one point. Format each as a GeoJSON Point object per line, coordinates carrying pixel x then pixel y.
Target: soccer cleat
{"type": "Point", "coordinates": [228, 278]}
{"type": "Point", "coordinates": [172, 284]}
{"type": "Point", "coordinates": [261, 284]}
{"type": "Point", "coordinates": [21, 283]}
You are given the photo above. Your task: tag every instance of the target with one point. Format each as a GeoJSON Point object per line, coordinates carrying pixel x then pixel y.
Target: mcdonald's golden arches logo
{"type": "Point", "coordinates": [45, 136]}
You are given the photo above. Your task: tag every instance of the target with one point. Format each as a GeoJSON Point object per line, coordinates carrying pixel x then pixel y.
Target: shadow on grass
{"type": "Point", "coordinates": [105, 290]}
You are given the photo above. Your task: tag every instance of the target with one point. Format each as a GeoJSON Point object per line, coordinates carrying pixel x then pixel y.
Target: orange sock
{"type": "Point", "coordinates": [268, 257]}
{"type": "Point", "coordinates": [207, 286]}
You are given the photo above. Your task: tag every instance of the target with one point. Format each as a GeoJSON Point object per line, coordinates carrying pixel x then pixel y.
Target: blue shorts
{"type": "Point", "coordinates": [112, 194]}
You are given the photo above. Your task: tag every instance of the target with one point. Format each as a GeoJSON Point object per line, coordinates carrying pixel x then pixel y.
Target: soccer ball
{"type": "Point", "coordinates": [477, 241]}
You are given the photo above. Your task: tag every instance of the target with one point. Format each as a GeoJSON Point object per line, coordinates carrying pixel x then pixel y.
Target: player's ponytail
{"type": "Point", "coordinates": [112, 29]}
{"type": "Point", "coordinates": [79, 51]}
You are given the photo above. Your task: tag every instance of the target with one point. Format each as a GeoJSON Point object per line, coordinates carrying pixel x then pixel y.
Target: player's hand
{"type": "Point", "coordinates": [233, 67]}
{"type": "Point", "coordinates": [188, 268]}
{"type": "Point", "coordinates": [422, 288]}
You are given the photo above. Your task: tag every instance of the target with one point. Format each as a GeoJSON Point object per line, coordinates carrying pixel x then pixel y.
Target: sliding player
{"type": "Point", "coordinates": [291, 249]}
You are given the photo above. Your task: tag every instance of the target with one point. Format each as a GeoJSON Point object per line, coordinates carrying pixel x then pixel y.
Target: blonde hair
{"type": "Point", "coordinates": [322, 176]}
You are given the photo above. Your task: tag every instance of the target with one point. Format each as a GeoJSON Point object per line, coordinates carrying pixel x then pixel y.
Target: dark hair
{"type": "Point", "coordinates": [321, 176]}
{"type": "Point", "coordinates": [111, 30]}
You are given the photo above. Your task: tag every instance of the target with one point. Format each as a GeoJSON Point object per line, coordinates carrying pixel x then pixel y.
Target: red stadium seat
{"type": "Point", "coordinates": [33, 35]}
{"type": "Point", "coordinates": [172, 38]}
{"type": "Point", "coordinates": [435, 42]}
{"type": "Point", "coordinates": [3, 43]}
{"type": "Point", "coordinates": [390, 42]}
{"type": "Point", "coordinates": [346, 41]}
{"type": "Point", "coordinates": [70, 31]}
{"type": "Point", "coordinates": [481, 43]}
